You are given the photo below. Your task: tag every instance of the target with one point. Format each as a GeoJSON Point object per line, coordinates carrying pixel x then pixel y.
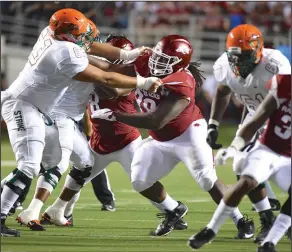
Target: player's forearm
{"type": "Point", "coordinates": [105, 50]}
{"type": "Point", "coordinates": [219, 104]}
{"type": "Point", "coordinates": [143, 120]}
{"type": "Point", "coordinates": [115, 92]}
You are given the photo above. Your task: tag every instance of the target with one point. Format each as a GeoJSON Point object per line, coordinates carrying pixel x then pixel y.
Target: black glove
{"type": "Point", "coordinates": [212, 136]}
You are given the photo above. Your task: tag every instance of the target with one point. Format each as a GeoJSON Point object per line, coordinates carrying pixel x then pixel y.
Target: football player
{"type": "Point", "coordinates": [110, 142]}
{"type": "Point", "coordinates": [58, 57]}
{"type": "Point", "coordinates": [244, 69]}
{"type": "Point", "coordinates": [177, 133]}
{"type": "Point", "coordinates": [269, 159]}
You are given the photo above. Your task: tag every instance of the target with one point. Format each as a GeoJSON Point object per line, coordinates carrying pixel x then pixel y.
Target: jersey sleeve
{"type": "Point", "coordinates": [73, 60]}
{"type": "Point", "coordinates": [181, 84]}
{"type": "Point", "coordinates": [220, 68]}
{"type": "Point", "coordinates": [277, 63]}
{"type": "Point", "coordinates": [280, 87]}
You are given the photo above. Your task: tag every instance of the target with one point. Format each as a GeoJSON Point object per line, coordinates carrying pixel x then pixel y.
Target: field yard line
{"type": "Point", "coordinates": [8, 163]}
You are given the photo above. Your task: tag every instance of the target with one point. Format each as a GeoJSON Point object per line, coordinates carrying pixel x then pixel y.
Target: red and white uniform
{"type": "Point", "coordinates": [112, 141]}
{"type": "Point", "coordinates": [182, 139]}
{"type": "Point", "coordinates": [271, 157]}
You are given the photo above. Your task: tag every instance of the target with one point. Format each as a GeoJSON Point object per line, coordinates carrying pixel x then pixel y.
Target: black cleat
{"type": "Point", "coordinates": [181, 225]}
{"type": "Point", "coordinates": [35, 225]}
{"type": "Point", "coordinates": [170, 220]}
{"type": "Point", "coordinates": [275, 204]}
{"type": "Point", "coordinates": [204, 236]}
{"type": "Point", "coordinates": [245, 228]}
{"type": "Point", "coordinates": [267, 220]}
{"type": "Point", "coordinates": [8, 232]}
{"type": "Point", "coordinates": [70, 219]}
{"type": "Point", "coordinates": [267, 247]}
{"type": "Point", "coordinates": [108, 206]}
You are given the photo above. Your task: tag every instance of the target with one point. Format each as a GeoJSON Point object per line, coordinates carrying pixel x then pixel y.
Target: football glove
{"type": "Point", "coordinates": [224, 154]}
{"type": "Point", "coordinates": [212, 136]}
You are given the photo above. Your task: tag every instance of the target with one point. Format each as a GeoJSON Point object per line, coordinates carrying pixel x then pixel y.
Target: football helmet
{"type": "Point", "coordinates": [122, 42]}
{"type": "Point", "coordinates": [171, 54]}
{"type": "Point", "coordinates": [95, 31]}
{"type": "Point", "coordinates": [71, 25]}
{"type": "Point", "coordinates": [244, 48]}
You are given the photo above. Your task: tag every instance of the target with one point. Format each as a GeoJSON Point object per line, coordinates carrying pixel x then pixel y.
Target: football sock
{"type": "Point", "coordinates": [70, 206]}
{"type": "Point", "coordinates": [157, 205]}
{"type": "Point", "coordinates": [236, 216]}
{"type": "Point", "coordinates": [262, 205]}
{"type": "Point", "coordinates": [270, 192]}
{"type": "Point", "coordinates": [35, 206]}
{"type": "Point", "coordinates": [8, 198]}
{"type": "Point", "coordinates": [220, 215]}
{"type": "Point", "coordinates": [8, 177]}
{"type": "Point", "coordinates": [281, 225]}
{"type": "Point", "coordinates": [60, 204]}
{"type": "Point", "coordinates": [169, 203]}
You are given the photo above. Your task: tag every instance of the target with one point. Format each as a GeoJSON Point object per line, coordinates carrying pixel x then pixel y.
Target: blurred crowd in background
{"type": "Point", "coordinates": [272, 18]}
{"type": "Point", "coordinates": [225, 15]}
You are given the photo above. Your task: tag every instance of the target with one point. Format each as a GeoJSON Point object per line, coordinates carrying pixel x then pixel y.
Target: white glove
{"type": "Point", "coordinates": [104, 114]}
{"type": "Point", "coordinates": [224, 154]}
{"type": "Point", "coordinates": [147, 83]}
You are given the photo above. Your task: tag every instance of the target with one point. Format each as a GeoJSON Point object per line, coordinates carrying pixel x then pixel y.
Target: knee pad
{"type": "Point", "coordinates": [52, 177]}
{"type": "Point", "coordinates": [72, 184]}
{"type": "Point", "coordinates": [19, 182]}
{"type": "Point", "coordinates": [80, 175]}
{"type": "Point", "coordinates": [206, 177]}
{"type": "Point", "coordinates": [286, 207]}
{"type": "Point", "coordinates": [140, 186]}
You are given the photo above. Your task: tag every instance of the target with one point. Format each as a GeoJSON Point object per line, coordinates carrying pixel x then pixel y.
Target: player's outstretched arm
{"type": "Point", "coordinates": [262, 114]}
{"type": "Point", "coordinates": [220, 102]}
{"type": "Point", "coordinates": [219, 105]}
{"type": "Point", "coordinates": [164, 113]}
{"type": "Point", "coordinates": [115, 80]}
{"type": "Point", "coordinates": [112, 53]}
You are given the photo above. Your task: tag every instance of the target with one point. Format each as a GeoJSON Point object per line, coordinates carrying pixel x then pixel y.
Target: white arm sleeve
{"type": "Point", "coordinates": [220, 69]}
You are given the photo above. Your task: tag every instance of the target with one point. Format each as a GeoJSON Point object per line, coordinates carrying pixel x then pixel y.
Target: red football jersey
{"type": "Point", "coordinates": [277, 135]}
{"type": "Point", "coordinates": [109, 136]}
{"type": "Point", "coordinates": [181, 84]}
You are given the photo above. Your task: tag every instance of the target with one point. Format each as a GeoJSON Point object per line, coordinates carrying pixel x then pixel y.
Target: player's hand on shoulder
{"type": "Point", "coordinates": [223, 155]}
{"type": "Point", "coordinates": [145, 50]}
{"type": "Point", "coordinates": [104, 114]}
{"type": "Point", "coordinates": [212, 136]}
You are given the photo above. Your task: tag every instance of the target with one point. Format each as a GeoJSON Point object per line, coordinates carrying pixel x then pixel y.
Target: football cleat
{"type": "Point", "coordinates": [108, 206]}
{"type": "Point", "coordinates": [266, 224]}
{"type": "Point", "coordinates": [170, 219]}
{"type": "Point", "coordinates": [55, 216]}
{"type": "Point", "coordinates": [275, 204]}
{"type": "Point", "coordinates": [26, 216]}
{"type": "Point", "coordinates": [70, 219]}
{"type": "Point", "coordinates": [205, 236]}
{"type": "Point", "coordinates": [35, 225]}
{"type": "Point", "coordinates": [181, 225]}
{"type": "Point", "coordinates": [8, 232]}
{"type": "Point", "coordinates": [245, 228]}
{"type": "Point", "coordinates": [267, 247]}
{"type": "Point", "coordinates": [18, 205]}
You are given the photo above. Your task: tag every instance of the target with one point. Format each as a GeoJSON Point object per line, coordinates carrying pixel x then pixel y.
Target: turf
{"type": "Point", "coordinates": [127, 229]}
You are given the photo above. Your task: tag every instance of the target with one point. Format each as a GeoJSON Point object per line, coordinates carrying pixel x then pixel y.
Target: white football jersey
{"type": "Point", "coordinates": [74, 102]}
{"type": "Point", "coordinates": [48, 71]}
{"type": "Point", "coordinates": [252, 90]}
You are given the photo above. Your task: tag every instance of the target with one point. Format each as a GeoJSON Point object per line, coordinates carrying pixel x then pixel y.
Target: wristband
{"type": "Point", "coordinates": [213, 121]}
{"type": "Point", "coordinates": [140, 81]}
{"type": "Point", "coordinates": [129, 55]}
{"type": "Point", "coordinates": [238, 143]}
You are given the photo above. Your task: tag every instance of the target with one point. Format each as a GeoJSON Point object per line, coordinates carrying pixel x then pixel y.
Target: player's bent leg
{"type": "Point", "coordinates": [149, 165]}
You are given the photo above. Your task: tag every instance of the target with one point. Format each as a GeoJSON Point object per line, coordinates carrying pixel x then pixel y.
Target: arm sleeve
{"type": "Point", "coordinates": [73, 61]}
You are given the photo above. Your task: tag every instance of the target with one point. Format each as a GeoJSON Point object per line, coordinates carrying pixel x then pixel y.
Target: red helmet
{"type": "Point", "coordinates": [122, 42]}
{"type": "Point", "coordinates": [171, 54]}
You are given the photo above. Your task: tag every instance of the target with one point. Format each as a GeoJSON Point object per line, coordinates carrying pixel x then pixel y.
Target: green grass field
{"type": "Point", "coordinates": [127, 229]}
